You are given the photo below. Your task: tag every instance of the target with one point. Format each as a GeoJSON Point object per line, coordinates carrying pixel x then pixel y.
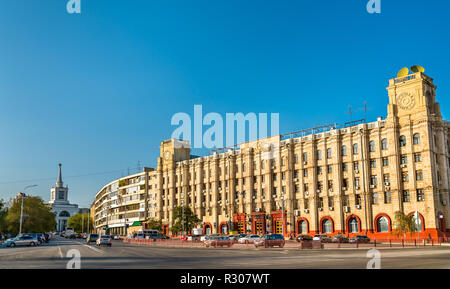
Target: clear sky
{"type": "Point", "coordinates": [96, 91]}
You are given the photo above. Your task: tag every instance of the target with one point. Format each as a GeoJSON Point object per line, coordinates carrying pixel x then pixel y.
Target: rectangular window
{"type": "Point", "coordinates": [373, 180]}
{"type": "Point", "coordinates": [357, 184]}
{"type": "Point", "coordinates": [419, 175]}
{"type": "Point", "coordinates": [417, 157]}
{"type": "Point", "coordinates": [305, 172]}
{"type": "Point", "coordinates": [405, 177]}
{"type": "Point", "coordinates": [403, 159]}
{"type": "Point", "coordinates": [387, 197]}
{"type": "Point", "coordinates": [344, 167]}
{"type": "Point", "coordinates": [319, 170]}
{"type": "Point", "coordinates": [373, 163]}
{"type": "Point", "coordinates": [346, 201]}
{"type": "Point", "coordinates": [405, 195]}
{"type": "Point", "coordinates": [329, 169]}
{"type": "Point", "coordinates": [385, 162]}
{"type": "Point", "coordinates": [420, 195]}
{"type": "Point", "coordinates": [375, 198]}
{"type": "Point", "coordinates": [356, 166]}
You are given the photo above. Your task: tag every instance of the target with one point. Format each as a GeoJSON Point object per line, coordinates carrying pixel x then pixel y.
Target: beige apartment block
{"type": "Point", "coordinates": [348, 179]}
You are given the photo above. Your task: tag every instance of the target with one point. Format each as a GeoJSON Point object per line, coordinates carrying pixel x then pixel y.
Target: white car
{"type": "Point", "coordinates": [249, 239]}
{"type": "Point", "coordinates": [104, 240]}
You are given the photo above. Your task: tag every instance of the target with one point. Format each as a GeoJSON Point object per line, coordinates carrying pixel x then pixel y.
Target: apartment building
{"type": "Point", "coordinates": [348, 179]}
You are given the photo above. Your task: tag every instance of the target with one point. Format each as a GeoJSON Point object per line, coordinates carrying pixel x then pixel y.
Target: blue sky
{"type": "Point", "coordinates": [96, 91]}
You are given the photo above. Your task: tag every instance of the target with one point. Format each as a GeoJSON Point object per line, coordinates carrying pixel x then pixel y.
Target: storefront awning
{"type": "Point", "coordinates": [136, 223]}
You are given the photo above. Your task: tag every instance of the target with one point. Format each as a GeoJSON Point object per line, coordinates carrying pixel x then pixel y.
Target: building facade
{"type": "Point", "coordinates": [348, 179]}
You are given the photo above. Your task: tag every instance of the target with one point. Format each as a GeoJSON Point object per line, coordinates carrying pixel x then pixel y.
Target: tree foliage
{"type": "Point", "coordinates": [404, 224]}
{"type": "Point", "coordinates": [154, 224]}
{"type": "Point", "coordinates": [79, 222]}
{"type": "Point", "coordinates": [184, 214]}
{"type": "Point", "coordinates": [3, 213]}
{"type": "Point", "coordinates": [37, 216]}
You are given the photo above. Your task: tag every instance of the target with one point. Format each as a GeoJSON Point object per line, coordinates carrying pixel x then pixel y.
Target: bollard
{"type": "Point", "coordinates": [403, 243]}
{"type": "Point", "coordinates": [375, 243]}
{"type": "Point", "coordinates": [415, 243]}
{"type": "Point", "coordinates": [424, 242]}
{"type": "Point", "coordinates": [339, 243]}
{"type": "Point", "coordinates": [390, 243]}
{"type": "Point", "coordinates": [357, 244]}
{"type": "Point", "coordinates": [432, 242]}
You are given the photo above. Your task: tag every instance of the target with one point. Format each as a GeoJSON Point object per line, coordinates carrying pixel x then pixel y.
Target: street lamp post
{"type": "Point", "coordinates": [182, 217]}
{"type": "Point", "coordinates": [282, 215]}
{"type": "Point", "coordinates": [21, 207]}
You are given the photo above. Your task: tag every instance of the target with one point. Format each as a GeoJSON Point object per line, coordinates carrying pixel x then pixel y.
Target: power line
{"type": "Point", "coordinates": [66, 177]}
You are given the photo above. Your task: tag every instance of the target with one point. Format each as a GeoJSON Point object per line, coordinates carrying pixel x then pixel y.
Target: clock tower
{"type": "Point", "coordinates": [413, 94]}
{"type": "Point", "coordinates": [174, 150]}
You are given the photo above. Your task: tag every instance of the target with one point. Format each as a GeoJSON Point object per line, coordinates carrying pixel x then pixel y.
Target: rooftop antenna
{"type": "Point", "coordinates": [365, 109]}
{"type": "Point", "coordinates": [350, 112]}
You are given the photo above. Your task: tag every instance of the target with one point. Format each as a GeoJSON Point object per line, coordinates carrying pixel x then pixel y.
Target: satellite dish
{"type": "Point", "coordinates": [417, 68]}
{"type": "Point", "coordinates": [403, 72]}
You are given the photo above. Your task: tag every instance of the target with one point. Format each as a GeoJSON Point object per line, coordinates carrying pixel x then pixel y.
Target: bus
{"type": "Point", "coordinates": [150, 233]}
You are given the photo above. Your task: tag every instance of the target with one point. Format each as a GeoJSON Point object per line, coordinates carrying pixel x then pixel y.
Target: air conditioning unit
{"type": "Point", "coordinates": [331, 208]}
{"type": "Point", "coordinates": [357, 188]}
{"type": "Point", "coordinates": [318, 190]}
{"type": "Point", "coordinates": [203, 204]}
{"type": "Point", "coordinates": [321, 209]}
{"type": "Point", "coordinates": [344, 188]}
{"type": "Point", "coordinates": [258, 209]}
{"type": "Point", "coordinates": [306, 211]}
{"type": "Point", "coordinates": [274, 196]}
{"type": "Point", "coordinates": [346, 209]}
{"type": "Point", "coordinates": [387, 183]}
{"type": "Point", "coordinates": [297, 213]}
{"type": "Point", "coordinates": [356, 172]}
{"type": "Point", "coordinates": [358, 207]}
{"type": "Point", "coordinates": [403, 166]}
{"type": "Point", "coordinates": [254, 197]}
{"type": "Point", "coordinates": [387, 188]}
{"type": "Point", "coordinates": [295, 179]}
{"type": "Point", "coordinates": [330, 190]}
{"type": "Point", "coordinates": [307, 193]}
{"type": "Point", "coordinates": [373, 186]}
{"type": "Point", "coordinates": [444, 202]}
{"type": "Point", "coordinates": [305, 162]}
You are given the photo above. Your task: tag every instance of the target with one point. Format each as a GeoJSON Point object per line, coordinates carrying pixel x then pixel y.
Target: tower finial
{"type": "Point", "coordinates": [59, 182]}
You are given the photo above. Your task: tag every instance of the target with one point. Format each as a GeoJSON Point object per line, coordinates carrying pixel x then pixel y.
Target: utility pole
{"type": "Point", "coordinates": [21, 207]}
{"type": "Point", "coordinates": [82, 222]}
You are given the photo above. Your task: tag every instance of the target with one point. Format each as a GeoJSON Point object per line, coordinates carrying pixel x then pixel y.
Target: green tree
{"type": "Point", "coordinates": [154, 224]}
{"type": "Point", "coordinates": [404, 224]}
{"type": "Point", "coordinates": [3, 213]}
{"type": "Point", "coordinates": [37, 216]}
{"type": "Point", "coordinates": [79, 222]}
{"type": "Point", "coordinates": [185, 216]}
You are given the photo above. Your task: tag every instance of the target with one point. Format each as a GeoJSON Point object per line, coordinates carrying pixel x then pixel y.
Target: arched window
{"type": "Point", "coordinates": [384, 144]}
{"type": "Point", "coordinates": [416, 139]}
{"type": "Point", "coordinates": [353, 225]}
{"type": "Point", "coordinates": [402, 140]}
{"type": "Point", "coordinates": [344, 150]}
{"type": "Point", "coordinates": [302, 227]}
{"type": "Point", "coordinates": [64, 214]}
{"type": "Point", "coordinates": [382, 225]}
{"type": "Point", "coordinates": [372, 146]}
{"type": "Point", "coordinates": [326, 226]}
{"type": "Point", "coordinates": [355, 148]}
{"type": "Point", "coordinates": [419, 224]}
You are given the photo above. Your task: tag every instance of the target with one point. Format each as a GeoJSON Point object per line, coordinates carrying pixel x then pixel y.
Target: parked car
{"type": "Point", "coordinates": [360, 239]}
{"type": "Point", "coordinates": [217, 241]}
{"type": "Point", "coordinates": [104, 240]}
{"type": "Point", "coordinates": [324, 238]}
{"type": "Point", "coordinates": [24, 240]}
{"type": "Point", "coordinates": [339, 239]}
{"type": "Point", "coordinates": [91, 238]}
{"type": "Point", "coordinates": [249, 239]}
{"type": "Point", "coordinates": [115, 237]}
{"type": "Point", "coordinates": [304, 238]}
{"type": "Point", "coordinates": [270, 240]}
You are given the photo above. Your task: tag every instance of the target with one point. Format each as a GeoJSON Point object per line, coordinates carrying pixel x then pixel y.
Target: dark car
{"type": "Point", "coordinates": [304, 238]}
{"type": "Point", "coordinates": [270, 240]}
{"type": "Point", "coordinates": [339, 239]}
{"type": "Point", "coordinates": [91, 238]}
{"type": "Point", "coordinates": [359, 239]}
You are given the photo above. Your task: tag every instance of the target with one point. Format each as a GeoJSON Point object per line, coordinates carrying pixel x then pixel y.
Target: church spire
{"type": "Point", "coordinates": [59, 182]}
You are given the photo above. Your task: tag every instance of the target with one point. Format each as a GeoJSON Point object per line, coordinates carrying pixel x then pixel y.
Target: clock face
{"type": "Point", "coordinates": [166, 156]}
{"type": "Point", "coordinates": [406, 101]}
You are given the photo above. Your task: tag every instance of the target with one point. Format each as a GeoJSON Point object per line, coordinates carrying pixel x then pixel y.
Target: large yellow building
{"type": "Point", "coordinates": [332, 179]}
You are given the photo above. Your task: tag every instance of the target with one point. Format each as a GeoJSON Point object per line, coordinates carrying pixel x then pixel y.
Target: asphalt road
{"type": "Point", "coordinates": [130, 256]}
